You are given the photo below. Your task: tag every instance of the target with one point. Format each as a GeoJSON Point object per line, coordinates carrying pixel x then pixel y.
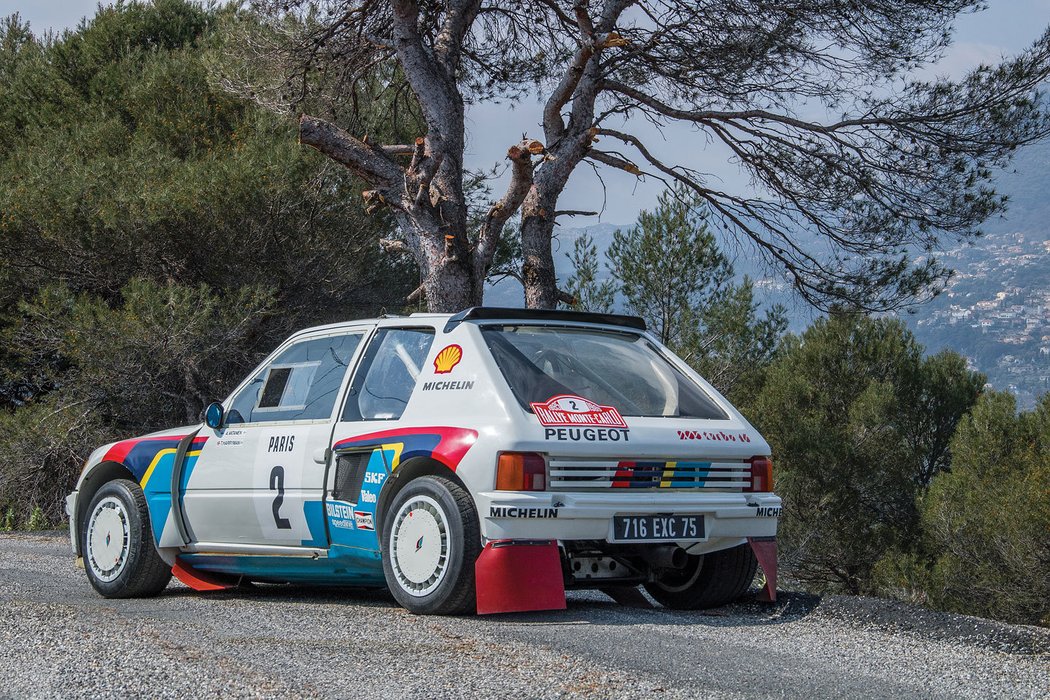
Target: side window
{"type": "Point", "coordinates": [302, 383]}
{"type": "Point", "coordinates": [388, 374]}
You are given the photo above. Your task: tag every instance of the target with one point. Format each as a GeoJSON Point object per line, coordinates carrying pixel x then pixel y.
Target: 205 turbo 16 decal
{"type": "Point", "coordinates": [567, 410]}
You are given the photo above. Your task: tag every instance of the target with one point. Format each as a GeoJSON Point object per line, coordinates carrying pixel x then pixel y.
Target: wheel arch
{"type": "Point", "coordinates": [90, 483]}
{"type": "Point", "coordinates": [408, 471]}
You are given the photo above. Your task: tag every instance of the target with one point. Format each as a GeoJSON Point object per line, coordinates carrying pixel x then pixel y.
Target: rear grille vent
{"type": "Point", "coordinates": [581, 474]}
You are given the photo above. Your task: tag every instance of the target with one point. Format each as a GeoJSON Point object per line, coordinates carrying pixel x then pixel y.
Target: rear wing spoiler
{"type": "Point", "coordinates": [495, 313]}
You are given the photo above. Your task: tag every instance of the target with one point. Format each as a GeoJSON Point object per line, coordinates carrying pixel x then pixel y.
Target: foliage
{"type": "Point", "coordinates": [669, 266]}
{"type": "Point", "coordinates": [587, 291]}
{"type": "Point", "coordinates": [734, 344]}
{"type": "Point", "coordinates": [102, 372]}
{"type": "Point", "coordinates": [857, 420]}
{"type": "Point", "coordinates": [43, 446]}
{"type": "Point", "coordinates": [668, 270]}
{"type": "Point", "coordinates": [157, 236]}
{"type": "Point", "coordinates": [131, 165]}
{"type": "Point", "coordinates": [155, 359]}
{"type": "Point", "coordinates": [985, 522]}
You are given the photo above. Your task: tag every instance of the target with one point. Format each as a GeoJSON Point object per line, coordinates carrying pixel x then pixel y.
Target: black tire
{"type": "Point", "coordinates": [707, 580]}
{"type": "Point", "coordinates": [452, 541]}
{"type": "Point", "coordinates": [119, 510]}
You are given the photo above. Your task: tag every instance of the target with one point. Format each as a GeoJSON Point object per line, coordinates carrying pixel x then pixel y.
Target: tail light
{"type": "Point", "coordinates": [521, 471]}
{"type": "Point", "coordinates": [761, 474]}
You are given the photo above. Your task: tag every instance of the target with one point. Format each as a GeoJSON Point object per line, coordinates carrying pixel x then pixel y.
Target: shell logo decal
{"type": "Point", "coordinates": [448, 358]}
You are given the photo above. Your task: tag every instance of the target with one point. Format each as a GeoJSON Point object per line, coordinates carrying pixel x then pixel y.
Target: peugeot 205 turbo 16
{"type": "Point", "coordinates": [482, 461]}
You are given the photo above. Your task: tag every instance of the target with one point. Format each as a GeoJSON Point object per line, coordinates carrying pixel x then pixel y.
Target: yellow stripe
{"type": "Point", "coordinates": [668, 474]}
{"type": "Point", "coordinates": [153, 465]}
{"type": "Point", "coordinates": [396, 448]}
{"type": "Point", "coordinates": [156, 461]}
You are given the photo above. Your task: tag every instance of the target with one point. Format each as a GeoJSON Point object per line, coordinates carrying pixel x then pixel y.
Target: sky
{"type": "Point", "coordinates": [1006, 27]}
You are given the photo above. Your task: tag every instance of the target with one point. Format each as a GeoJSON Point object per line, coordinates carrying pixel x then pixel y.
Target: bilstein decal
{"type": "Point", "coordinates": [574, 411]}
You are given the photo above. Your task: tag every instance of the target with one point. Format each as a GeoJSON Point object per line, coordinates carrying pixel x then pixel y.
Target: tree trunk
{"type": "Point", "coordinates": [447, 272]}
{"type": "Point", "coordinates": [537, 230]}
{"type": "Point", "coordinates": [448, 289]}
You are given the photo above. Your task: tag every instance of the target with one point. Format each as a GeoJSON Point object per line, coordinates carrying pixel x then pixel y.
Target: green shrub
{"type": "Point", "coordinates": [858, 421]}
{"type": "Point", "coordinates": [986, 523]}
{"type": "Point", "coordinates": [42, 448]}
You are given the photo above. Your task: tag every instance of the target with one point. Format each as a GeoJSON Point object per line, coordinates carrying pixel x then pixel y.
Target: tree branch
{"type": "Point", "coordinates": [415, 295]}
{"type": "Point", "coordinates": [365, 160]}
{"type": "Point", "coordinates": [520, 156]}
{"type": "Point", "coordinates": [574, 212]}
{"type": "Point", "coordinates": [394, 246]}
{"type": "Point", "coordinates": [449, 43]}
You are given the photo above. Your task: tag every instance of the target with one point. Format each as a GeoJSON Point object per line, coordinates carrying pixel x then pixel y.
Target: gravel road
{"type": "Point", "coordinates": [59, 639]}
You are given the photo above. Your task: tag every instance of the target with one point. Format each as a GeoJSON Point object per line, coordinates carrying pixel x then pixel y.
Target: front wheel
{"type": "Point", "coordinates": [707, 580]}
{"type": "Point", "coordinates": [431, 539]}
{"type": "Point", "coordinates": [120, 558]}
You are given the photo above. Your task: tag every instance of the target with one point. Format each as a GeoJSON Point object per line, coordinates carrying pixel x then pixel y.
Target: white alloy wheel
{"type": "Point", "coordinates": [108, 539]}
{"type": "Point", "coordinates": [420, 545]}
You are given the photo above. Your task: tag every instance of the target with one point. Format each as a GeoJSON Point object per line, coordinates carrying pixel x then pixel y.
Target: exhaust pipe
{"type": "Point", "coordinates": [666, 557]}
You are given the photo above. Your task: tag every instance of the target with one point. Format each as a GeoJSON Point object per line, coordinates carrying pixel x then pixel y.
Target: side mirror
{"type": "Point", "coordinates": [213, 415]}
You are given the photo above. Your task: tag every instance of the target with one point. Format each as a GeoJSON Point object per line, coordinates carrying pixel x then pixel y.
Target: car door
{"type": "Point", "coordinates": [259, 478]}
{"type": "Point", "coordinates": [367, 444]}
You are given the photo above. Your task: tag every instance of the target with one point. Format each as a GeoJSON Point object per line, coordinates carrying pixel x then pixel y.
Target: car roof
{"type": "Point", "coordinates": [492, 313]}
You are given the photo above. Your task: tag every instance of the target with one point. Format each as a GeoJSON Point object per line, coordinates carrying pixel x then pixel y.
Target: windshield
{"type": "Point", "coordinates": [622, 370]}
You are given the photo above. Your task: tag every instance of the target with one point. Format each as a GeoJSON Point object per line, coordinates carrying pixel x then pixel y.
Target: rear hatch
{"type": "Point", "coordinates": [613, 409]}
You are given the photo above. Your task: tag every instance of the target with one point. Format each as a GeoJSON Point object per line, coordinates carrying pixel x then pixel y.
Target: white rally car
{"type": "Point", "coordinates": [483, 461]}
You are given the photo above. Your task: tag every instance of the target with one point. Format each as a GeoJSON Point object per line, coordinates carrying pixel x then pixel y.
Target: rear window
{"type": "Point", "coordinates": [623, 370]}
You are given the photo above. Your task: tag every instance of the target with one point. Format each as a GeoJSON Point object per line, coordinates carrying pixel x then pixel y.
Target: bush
{"type": "Point", "coordinates": [101, 373]}
{"type": "Point", "coordinates": [856, 418]}
{"type": "Point", "coordinates": [41, 451]}
{"type": "Point", "coordinates": [986, 522]}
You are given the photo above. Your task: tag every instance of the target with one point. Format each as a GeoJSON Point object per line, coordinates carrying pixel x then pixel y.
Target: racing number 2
{"type": "Point", "coordinates": [277, 484]}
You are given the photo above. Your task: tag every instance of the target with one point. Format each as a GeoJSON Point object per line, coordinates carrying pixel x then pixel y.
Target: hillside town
{"type": "Point", "coordinates": [996, 311]}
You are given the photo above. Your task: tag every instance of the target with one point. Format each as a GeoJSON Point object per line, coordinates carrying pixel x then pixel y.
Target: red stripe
{"type": "Point", "coordinates": [120, 450]}
{"type": "Point", "coordinates": [453, 443]}
{"type": "Point", "coordinates": [198, 580]}
{"type": "Point", "coordinates": [624, 471]}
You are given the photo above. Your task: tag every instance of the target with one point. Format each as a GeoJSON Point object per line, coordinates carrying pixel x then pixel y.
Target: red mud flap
{"type": "Point", "coordinates": [519, 576]}
{"type": "Point", "coordinates": [765, 549]}
{"type": "Point", "coordinates": [201, 580]}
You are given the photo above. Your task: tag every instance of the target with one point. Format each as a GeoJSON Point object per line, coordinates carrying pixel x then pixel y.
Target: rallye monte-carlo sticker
{"type": "Point", "coordinates": [567, 410]}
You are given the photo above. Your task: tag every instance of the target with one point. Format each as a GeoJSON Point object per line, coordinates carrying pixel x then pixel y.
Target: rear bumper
{"type": "Point", "coordinates": [588, 516]}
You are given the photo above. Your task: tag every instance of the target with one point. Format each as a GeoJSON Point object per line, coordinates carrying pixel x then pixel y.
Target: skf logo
{"type": "Point", "coordinates": [448, 358]}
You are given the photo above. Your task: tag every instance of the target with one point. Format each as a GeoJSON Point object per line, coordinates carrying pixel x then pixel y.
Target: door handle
{"type": "Point", "coordinates": [321, 455]}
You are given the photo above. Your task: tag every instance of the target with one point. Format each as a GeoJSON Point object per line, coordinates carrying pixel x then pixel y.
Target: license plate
{"type": "Point", "coordinates": [650, 528]}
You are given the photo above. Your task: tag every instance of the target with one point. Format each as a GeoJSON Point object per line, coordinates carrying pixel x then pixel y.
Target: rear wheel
{"type": "Point", "coordinates": [120, 558]}
{"type": "Point", "coordinates": [707, 580]}
{"type": "Point", "coordinates": [431, 539]}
